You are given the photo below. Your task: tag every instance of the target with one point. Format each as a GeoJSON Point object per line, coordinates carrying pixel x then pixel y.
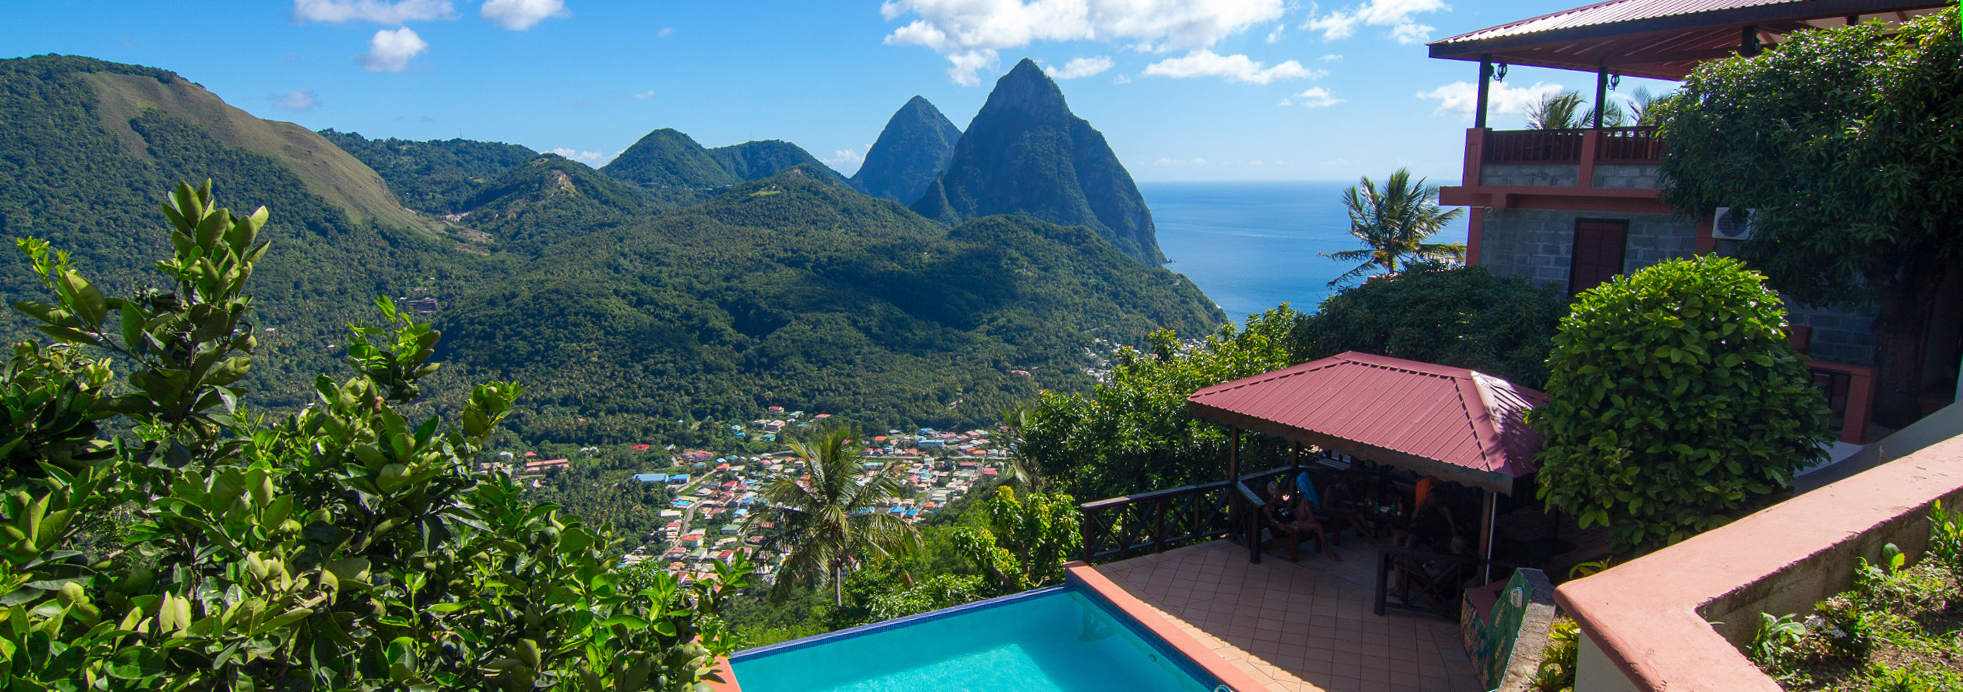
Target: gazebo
{"type": "Point", "coordinates": [1451, 423]}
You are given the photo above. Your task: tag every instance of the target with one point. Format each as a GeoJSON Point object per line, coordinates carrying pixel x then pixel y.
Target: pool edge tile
{"type": "Point", "coordinates": [1085, 576]}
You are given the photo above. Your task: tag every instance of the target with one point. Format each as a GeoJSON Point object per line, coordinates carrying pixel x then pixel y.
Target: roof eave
{"type": "Point", "coordinates": [1454, 49]}
{"type": "Point", "coordinates": [1491, 480]}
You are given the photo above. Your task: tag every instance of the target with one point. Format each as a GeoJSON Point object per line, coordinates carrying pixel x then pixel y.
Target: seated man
{"type": "Point", "coordinates": [1291, 515]}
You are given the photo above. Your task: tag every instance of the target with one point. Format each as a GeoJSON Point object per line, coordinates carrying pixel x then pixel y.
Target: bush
{"type": "Point", "coordinates": [345, 547]}
{"type": "Point", "coordinates": [1468, 318]}
{"type": "Point", "coordinates": [1675, 400]}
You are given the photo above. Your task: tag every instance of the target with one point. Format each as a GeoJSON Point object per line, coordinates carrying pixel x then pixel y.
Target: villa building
{"type": "Point", "coordinates": [1574, 208]}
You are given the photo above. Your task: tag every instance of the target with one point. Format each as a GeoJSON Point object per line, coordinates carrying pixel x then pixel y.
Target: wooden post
{"type": "Point", "coordinates": [1748, 42]}
{"type": "Point", "coordinates": [1488, 515]}
{"type": "Point", "coordinates": [1234, 504]}
{"type": "Point", "coordinates": [1485, 78]}
{"type": "Point", "coordinates": [1601, 93]}
{"type": "Point", "coordinates": [1159, 530]}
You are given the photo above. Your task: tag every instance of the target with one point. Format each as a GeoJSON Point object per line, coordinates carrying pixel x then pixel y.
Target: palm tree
{"type": "Point", "coordinates": [826, 512]}
{"type": "Point", "coordinates": [1024, 472]}
{"type": "Point", "coordinates": [1558, 111]}
{"type": "Point", "coordinates": [1394, 224]}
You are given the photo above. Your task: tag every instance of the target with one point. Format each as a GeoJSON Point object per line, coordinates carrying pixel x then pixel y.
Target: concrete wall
{"type": "Point", "coordinates": [1840, 336]}
{"type": "Point", "coordinates": [1623, 176]}
{"type": "Point", "coordinates": [1673, 619]}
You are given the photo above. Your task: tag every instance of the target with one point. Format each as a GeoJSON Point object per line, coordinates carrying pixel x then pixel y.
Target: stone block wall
{"type": "Point", "coordinates": [1839, 336]}
{"type": "Point", "coordinates": [1544, 174]}
{"type": "Point", "coordinates": [1625, 176]}
{"type": "Point", "coordinates": [1539, 244]}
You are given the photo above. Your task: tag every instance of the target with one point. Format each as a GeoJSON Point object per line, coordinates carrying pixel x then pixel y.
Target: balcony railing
{"type": "Point", "coordinates": [1613, 145]}
{"type": "Point", "coordinates": [1153, 522]}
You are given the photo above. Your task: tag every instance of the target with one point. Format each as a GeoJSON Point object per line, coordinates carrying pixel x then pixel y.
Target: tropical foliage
{"type": "Point", "coordinates": [1133, 432]}
{"type": "Point", "coordinates": [1025, 542]}
{"type": "Point", "coordinates": [828, 512]}
{"type": "Point", "coordinates": [1843, 144]}
{"type": "Point", "coordinates": [347, 546]}
{"type": "Point", "coordinates": [1395, 225]}
{"type": "Point", "coordinates": [1675, 400]}
{"type": "Point", "coordinates": [1465, 317]}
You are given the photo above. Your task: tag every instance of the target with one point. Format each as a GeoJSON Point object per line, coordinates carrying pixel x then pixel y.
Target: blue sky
{"type": "Point", "coordinates": [1182, 89]}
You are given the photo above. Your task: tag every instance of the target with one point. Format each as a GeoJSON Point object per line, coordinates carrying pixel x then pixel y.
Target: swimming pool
{"type": "Point", "coordinates": [1061, 639]}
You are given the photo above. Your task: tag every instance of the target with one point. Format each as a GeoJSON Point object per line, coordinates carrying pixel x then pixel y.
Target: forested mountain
{"type": "Point", "coordinates": [666, 158]}
{"type": "Point", "coordinates": [1025, 153]}
{"type": "Point", "coordinates": [767, 157]}
{"type": "Point", "coordinates": [798, 291]}
{"type": "Point", "coordinates": [911, 152]}
{"type": "Point", "coordinates": [434, 176]}
{"type": "Point", "coordinates": [88, 149]}
{"type": "Point", "coordinates": [625, 301]}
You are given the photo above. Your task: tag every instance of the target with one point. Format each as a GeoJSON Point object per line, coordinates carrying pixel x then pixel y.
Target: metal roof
{"type": "Point", "coordinates": [1661, 39]}
{"type": "Point", "coordinates": [1454, 423]}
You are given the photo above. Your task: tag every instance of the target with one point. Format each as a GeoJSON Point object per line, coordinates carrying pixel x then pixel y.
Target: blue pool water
{"type": "Point", "coordinates": [1055, 640]}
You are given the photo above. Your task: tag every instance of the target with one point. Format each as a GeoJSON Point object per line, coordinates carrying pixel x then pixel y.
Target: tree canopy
{"type": "Point", "coordinates": [1844, 144]}
{"type": "Point", "coordinates": [1464, 317]}
{"type": "Point", "coordinates": [1395, 224]}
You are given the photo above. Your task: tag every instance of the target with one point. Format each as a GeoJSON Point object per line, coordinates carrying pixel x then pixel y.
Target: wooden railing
{"type": "Point", "coordinates": [1122, 527]}
{"type": "Point", "coordinates": [1533, 146]}
{"type": "Point", "coordinates": [1613, 145]}
{"type": "Point", "coordinates": [1388, 556]}
{"type": "Point", "coordinates": [1849, 391]}
{"type": "Point", "coordinates": [1629, 145]}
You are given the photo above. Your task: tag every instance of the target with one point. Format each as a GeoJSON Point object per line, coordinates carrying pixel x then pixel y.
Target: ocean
{"type": "Point", "coordinates": [1254, 245]}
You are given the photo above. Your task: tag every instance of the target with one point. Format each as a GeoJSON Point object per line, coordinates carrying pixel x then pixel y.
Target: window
{"type": "Point", "coordinates": [1597, 253]}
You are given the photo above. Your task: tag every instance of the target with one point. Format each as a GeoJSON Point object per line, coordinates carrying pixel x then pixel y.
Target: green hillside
{"type": "Point", "coordinates": [761, 159]}
{"type": "Point", "coordinates": [91, 185]}
{"type": "Point", "coordinates": [665, 159]}
{"type": "Point", "coordinates": [804, 293]}
{"type": "Point", "coordinates": [436, 176]}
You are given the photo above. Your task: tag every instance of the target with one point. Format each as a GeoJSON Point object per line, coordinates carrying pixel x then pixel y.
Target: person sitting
{"type": "Point", "coordinates": [1340, 508]}
{"type": "Point", "coordinates": [1293, 515]}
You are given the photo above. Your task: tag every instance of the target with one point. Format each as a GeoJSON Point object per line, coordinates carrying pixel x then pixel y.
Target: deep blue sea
{"type": "Point", "coordinates": [1252, 246]}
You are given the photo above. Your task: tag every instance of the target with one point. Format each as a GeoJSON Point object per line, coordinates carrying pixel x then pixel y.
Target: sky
{"type": "Point", "coordinates": [1182, 89]}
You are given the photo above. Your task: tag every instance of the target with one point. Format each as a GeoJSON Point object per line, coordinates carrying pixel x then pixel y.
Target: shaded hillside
{"type": "Point", "coordinates": [91, 185]}
{"type": "Point", "coordinates": [666, 158]}
{"type": "Point", "coordinates": [551, 199]}
{"type": "Point", "coordinates": [1025, 153]}
{"type": "Point", "coordinates": [910, 153]}
{"type": "Point", "coordinates": [793, 291]}
{"type": "Point", "coordinates": [767, 157]}
{"type": "Point", "coordinates": [435, 176]}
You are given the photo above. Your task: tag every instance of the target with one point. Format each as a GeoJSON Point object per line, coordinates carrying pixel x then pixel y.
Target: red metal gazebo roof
{"type": "Point", "coordinates": [1454, 423]}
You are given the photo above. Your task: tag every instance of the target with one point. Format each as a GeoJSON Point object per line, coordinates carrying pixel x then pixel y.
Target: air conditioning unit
{"type": "Point", "coordinates": [1732, 223]}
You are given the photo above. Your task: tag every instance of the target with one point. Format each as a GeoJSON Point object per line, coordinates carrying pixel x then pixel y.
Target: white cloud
{"type": "Point", "coordinates": [590, 158]}
{"type": "Point", "coordinates": [969, 33]}
{"type": "Point", "coordinates": [847, 161]}
{"type": "Point", "coordinates": [1315, 97]}
{"type": "Point", "coordinates": [1081, 67]}
{"type": "Point", "coordinates": [520, 15]}
{"type": "Point", "coordinates": [1396, 14]}
{"type": "Point", "coordinates": [390, 50]}
{"type": "Point", "coordinates": [1462, 98]}
{"type": "Point", "coordinates": [665, 32]}
{"type": "Point", "coordinates": [377, 11]}
{"type": "Point", "coordinates": [302, 99]}
{"type": "Point", "coordinates": [1120, 79]}
{"type": "Point", "coordinates": [1332, 57]}
{"type": "Point", "coordinates": [1195, 161]}
{"type": "Point", "coordinates": [1275, 35]}
{"type": "Point", "coordinates": [643, 96]}
{"type": "Point", "coordinates": [1235, 68]}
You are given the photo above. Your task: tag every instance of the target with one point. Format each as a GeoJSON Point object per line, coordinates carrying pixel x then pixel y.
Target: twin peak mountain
{"type": "Point", "coordinates": [1024, 153]}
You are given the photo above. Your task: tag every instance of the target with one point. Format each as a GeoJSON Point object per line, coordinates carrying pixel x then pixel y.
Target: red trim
{"type": "Point", "coordinates": [1860, 398]}
{"type": "Point", "coordinates": [1474, 228]}
{"type": "Point", "coordinates": [1706, 242]}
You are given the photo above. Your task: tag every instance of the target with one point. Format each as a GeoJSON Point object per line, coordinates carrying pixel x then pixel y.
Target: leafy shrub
{"type": "Point", "coordinates": [1675, 400]}
{"type": "Point", "coordinates": [1558, 660]}
{"type": "Point", "coordinates": [1026, 541]}
{"type": "Point", "coordinates": [1946, 537]}
{"type": "Point", "coordinates": [346, 547]}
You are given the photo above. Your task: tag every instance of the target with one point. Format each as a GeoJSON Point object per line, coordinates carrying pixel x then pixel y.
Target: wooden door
{"type": "Point", "coordinates": [1598, 249]}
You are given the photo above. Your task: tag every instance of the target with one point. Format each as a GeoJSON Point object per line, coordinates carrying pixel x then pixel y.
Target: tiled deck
{"type": "Point", "coordinates": [1299, 627]}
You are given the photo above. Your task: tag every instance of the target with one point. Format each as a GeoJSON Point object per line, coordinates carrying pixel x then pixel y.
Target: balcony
{"type": "Point", "coordinates": [1605, 169]}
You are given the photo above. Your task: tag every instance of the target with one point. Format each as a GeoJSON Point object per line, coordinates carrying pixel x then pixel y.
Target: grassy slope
{"type": "Point", "coordinates": [326, 170]}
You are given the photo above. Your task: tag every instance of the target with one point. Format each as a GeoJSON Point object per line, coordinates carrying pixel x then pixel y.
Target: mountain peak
{"type": "Point", "coordinates": [1026, 89]}
{"type": "Point", "coordinates": [911, 152]}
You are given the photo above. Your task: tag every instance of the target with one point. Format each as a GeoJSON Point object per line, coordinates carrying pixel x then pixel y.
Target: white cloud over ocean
{"type": "Point", "coordinates": [1462, 98]}
{"type": "Point", "coordinates": [375, 11]}
{"type": "Point", "coordinates": [522, 15]}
